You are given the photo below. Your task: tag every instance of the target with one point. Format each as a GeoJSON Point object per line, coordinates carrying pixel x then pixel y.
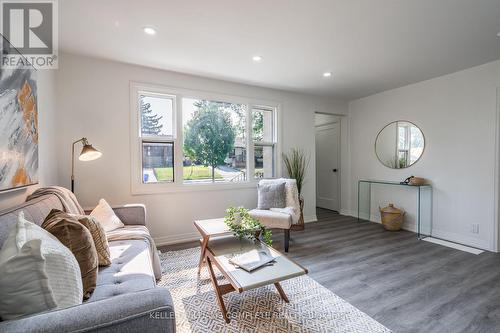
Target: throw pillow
{"type": "Point", "coordinates": [99, 237]}
{"type": "Point", "coordinates": [78, 239]}
{"type": "Point", "coordinates": [37, 272]}
{"type": "Point", "coordinates": [271, 196]}
{"type": "Point", "coordinates": [106, 216]}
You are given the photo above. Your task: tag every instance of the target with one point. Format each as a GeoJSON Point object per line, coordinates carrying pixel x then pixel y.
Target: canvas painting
{"type": "Point", "coordinates": [18, 127]}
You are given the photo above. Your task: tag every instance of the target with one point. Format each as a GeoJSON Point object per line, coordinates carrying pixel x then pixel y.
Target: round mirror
{"type": "Point", "coordinates": [399, 145]}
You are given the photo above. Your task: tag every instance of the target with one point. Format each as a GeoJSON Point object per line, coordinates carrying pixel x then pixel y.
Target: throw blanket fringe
{"type": "Point", "coordinates": [67, 198]}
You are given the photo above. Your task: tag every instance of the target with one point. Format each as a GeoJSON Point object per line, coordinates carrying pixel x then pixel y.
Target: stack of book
{"type": "Point", "coordinates": [252, 260]}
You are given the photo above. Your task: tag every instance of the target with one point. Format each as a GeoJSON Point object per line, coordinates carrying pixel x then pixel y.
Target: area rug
{"type": "Point", "coordinates": [312, 307]}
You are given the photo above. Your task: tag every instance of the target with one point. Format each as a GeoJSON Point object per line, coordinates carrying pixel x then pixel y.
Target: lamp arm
{"type": "Point", "coordinates": [84, 140]}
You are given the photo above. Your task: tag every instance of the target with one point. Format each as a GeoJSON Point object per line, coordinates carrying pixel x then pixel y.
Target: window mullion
{"type": "Point", "coordinates": [250, 146]}
{"type": "Point", "coordinates": [178, 154]}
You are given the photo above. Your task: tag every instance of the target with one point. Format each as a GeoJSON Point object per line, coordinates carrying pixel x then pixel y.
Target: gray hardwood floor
{"type": "Point", "coordinates": [405, 284]}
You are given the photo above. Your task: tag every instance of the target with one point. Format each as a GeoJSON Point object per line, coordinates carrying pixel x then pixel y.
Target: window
{"type": "Point", "coordinates": [410, 144]}
{"type": "Point", "coordinates": [188, 137]}
{"type": "Point", "coordinates": [264, 141]}
{"type": "Point", "coordinates": [157, 137]}
{"type": "Point", "coordinates": [214, 141]}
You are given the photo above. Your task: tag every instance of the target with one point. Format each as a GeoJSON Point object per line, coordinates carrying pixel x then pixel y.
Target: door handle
{"type": "Point", "coordinates": [334, 170]}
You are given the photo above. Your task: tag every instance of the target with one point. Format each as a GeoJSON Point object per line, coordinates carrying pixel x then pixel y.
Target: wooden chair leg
{"type": "Point", "coordinates": [287, 239]}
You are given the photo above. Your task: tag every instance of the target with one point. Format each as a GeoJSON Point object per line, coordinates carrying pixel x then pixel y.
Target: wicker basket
{"type": "Point", "coordinates": [392, 217]}
{"type": "Point", "coordinates": [416, 181]}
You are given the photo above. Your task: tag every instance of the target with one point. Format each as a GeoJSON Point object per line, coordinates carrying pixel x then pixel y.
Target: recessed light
{"type": "Point", "coordinates": [149, 30]}
{"type": "Point", "coordinates": [257, 58]}
{"type": "Point", "coordinates": [498, 34]}
{"type": "Point", "coordinates": [327, 74]}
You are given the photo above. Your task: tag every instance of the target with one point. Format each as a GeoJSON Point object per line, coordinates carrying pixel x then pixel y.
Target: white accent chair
{"type": "Point", "coordinates": [281, 218]}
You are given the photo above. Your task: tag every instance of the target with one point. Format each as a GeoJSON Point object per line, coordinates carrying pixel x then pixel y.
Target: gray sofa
{"type": "Point", "coordinates": [126, 298]}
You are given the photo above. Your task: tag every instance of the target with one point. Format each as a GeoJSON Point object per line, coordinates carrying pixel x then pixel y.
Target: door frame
{"type": "Point", "coordinates": [496, 226]}
{"type": "Point", "coordinates": [339, 157]}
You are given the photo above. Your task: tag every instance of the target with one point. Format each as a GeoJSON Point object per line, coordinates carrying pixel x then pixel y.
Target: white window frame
{"type": "Point", "coordinates": [273, 143]}
{"type": "Point", "coordinates": [178, 185]}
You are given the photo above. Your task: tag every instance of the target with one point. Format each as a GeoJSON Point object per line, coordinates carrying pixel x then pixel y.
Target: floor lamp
{"type": "Point", "coordinates": [88, 153]}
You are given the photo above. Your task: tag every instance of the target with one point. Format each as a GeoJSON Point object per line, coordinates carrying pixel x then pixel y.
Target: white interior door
{"type": "Point", "coordinates": [327, 166]}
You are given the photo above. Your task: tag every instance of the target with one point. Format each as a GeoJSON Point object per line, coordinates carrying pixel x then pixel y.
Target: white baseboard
{"type": "Point", "coordinates": [310, 218]}
{"type": "Point", "coordinates": [347, 212]}
{"type": "Point", "coordinates": [176, 239]}
{"type": "Point", "coordinates": [194, 236]}
{"type": "Point", "coordinates": [465, 240]}
{"type": "Point", "coordinates": [453, 245]}
{"type": "Point", "coordinates": [446, 235]}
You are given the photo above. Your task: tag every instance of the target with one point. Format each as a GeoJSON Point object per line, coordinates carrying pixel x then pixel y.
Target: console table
{"type": "Point", "coordinates": [423, 197]}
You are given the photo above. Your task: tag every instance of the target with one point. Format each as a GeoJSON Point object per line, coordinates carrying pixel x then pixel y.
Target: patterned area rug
{"type": "Point", "coordinates": [312, 307]}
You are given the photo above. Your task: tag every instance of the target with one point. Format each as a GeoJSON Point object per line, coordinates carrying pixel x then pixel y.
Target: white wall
{"type": "Point", "coordinates": [457, 114]}
{"type": "Point", "coordinates": [386, 144]}
{"type": "Point", "coordinates": [47, 134]}
{"type": "Point", "coordinates": [93, 100]}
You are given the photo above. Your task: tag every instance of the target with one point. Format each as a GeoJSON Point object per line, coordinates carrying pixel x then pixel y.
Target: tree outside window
{"type": "Point", "coordinates": [214, 141]}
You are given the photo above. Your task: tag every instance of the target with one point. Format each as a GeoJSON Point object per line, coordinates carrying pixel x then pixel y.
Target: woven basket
{"type": "Point", "coordinates": [392, 217]}
{"type": "Point", "coordinates": [416, 181]}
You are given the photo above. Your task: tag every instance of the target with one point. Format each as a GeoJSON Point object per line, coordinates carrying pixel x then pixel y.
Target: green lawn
{"type": "Point", "coordinates": [195, 172]}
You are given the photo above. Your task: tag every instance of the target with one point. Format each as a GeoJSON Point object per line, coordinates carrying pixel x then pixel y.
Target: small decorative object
{"type": "Point", "coordinates": [392, 217]}
{"type": "Point", "coordinates": [296, 163]}
{"type": "Point", "coordinates": [19, 120]}
{"type": "Point", "coordinates": [414, 181]}
{"type": "Point", "coordinates": [244, 226]}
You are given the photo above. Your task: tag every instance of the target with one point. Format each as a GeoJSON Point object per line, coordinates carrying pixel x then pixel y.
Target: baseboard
{"type": "Point", "coordinates": [348, 212]}
{"type": "Point", "coordinates": [310, 218]}
{"type": "Point", "coordinates": [181, 238]}
{"type": "Point", "coordinates": [461, 239]}
{"type": "Point", "coordinates": [193, 236]}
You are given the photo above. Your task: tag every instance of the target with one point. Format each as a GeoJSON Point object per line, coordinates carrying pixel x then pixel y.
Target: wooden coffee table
{"type": "Point", "coordinates": [217, 251]}
{"type": "Point", "coordinates": [207, 229]}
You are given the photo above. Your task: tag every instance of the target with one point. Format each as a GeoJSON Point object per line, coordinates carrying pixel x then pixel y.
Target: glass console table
{"type": "Point", "coordinates": [424, 203]}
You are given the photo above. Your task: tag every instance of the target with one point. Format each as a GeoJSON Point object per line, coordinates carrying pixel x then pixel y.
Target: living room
{"type": "Point", "coordinates": [202, 122]}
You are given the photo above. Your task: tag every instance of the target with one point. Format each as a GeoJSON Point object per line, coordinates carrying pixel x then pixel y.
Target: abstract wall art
{"type": "Point", "coordinates": [18, 127]}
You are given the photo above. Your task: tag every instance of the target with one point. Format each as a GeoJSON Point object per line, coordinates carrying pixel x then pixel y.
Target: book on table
{"type": "Point", "coordinates": [252, 259]}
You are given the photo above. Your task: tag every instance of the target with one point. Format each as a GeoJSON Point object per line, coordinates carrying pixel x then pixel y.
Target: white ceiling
{"type": "Point", "coordinates": [368, 45]}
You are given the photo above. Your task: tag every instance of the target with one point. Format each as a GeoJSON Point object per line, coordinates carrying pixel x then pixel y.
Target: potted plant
{"type": "Point", "coordinates": [296, 163]}
{"type": "Point", "coordinates": [244, 226]}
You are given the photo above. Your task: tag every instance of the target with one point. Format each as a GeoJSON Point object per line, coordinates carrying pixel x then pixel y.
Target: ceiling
{"type": "Point", "coordinates": [369, 46]}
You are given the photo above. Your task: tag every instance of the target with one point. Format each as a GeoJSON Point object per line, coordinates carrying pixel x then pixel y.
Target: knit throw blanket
{"type": "Point", "coordinates": [67, 198]}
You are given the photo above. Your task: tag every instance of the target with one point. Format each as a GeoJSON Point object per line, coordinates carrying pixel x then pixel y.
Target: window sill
{"type": "Point", "coordinates": [146, 189]}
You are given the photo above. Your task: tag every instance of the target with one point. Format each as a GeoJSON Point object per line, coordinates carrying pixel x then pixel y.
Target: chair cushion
{"type": "Point", "coordinates": [291, 194]}
{"type": "Point", "coordinates": [130, 270]}
{"type": "Point", "coordinates": [272, 219]}
{"type": "Point", "coordinates": [271, 196]}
